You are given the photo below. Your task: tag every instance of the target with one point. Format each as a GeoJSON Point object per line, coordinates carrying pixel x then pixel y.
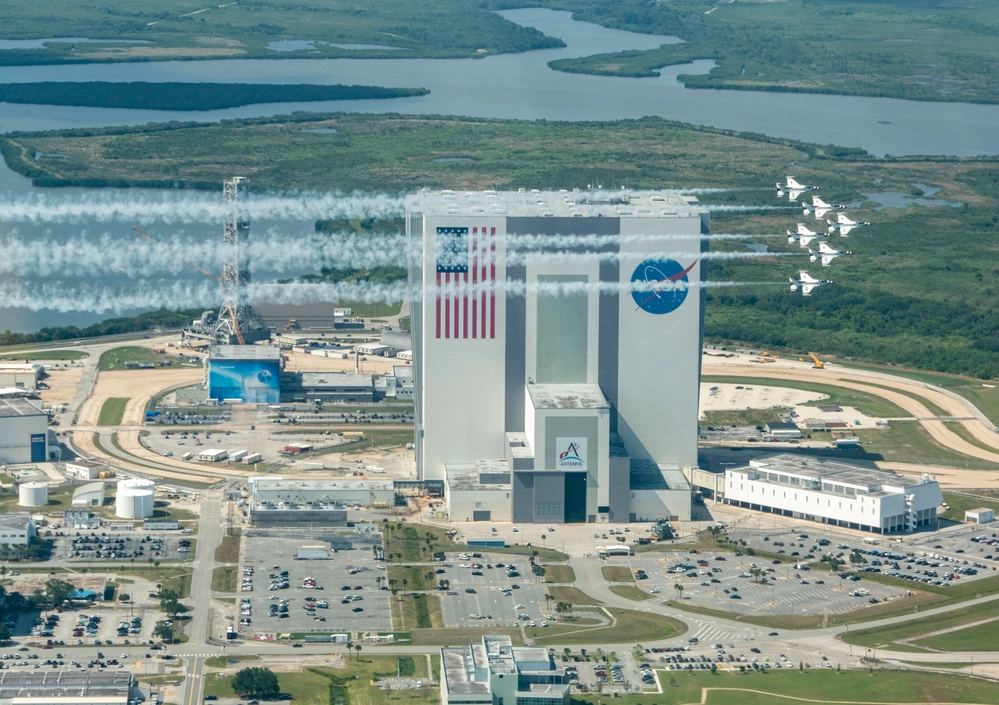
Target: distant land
{"type": "Point", "coordinates": [140, 95]}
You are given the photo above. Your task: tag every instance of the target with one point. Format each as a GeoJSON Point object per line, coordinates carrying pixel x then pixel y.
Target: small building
{"type": "Point", "coordinates": [17, 530]}
{"type": "Point", "coordinates": [373, 349]}
{"type": "Point", "coordinates": [494, 671]}
{"type": "Point", "coordinates": [213, 455]}
{"type": "Point", "coordinates": [327, 387]}
{"type": "Point", "coordinates": [89, 495]}
{"type": "Point", "coordinates": [290, 340]}
{"type": "Point", "coordinates": [312, 553]}
{"type": "Point", "coordinates": [161, 525]}
{"type": "Point", "coordinates": [845, 439]}
{"type": "Point", "coordinates": [979, 516]}
{"type": "Point", "coordinates": [85, 469]}
{"type": "Point", "coordinates": [783, 430]}
{"type": "Point", "coordinates": [405, 355]}
{"type": "Point", "coordinates": [815, 424]}
{"type": "Point", "coordinates": [23, 375]}
{"type": "Point", "coordinates": [80, 519]}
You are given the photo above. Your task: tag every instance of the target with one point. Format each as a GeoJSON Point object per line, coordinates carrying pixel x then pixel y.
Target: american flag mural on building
{"type": "Point", "coordinates": [466, 278]}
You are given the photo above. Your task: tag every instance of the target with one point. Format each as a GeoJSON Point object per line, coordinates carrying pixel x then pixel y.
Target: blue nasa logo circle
{"type": "Point", "coordinates": [264, 376]}
{"type": "Point", "coordinates": [669, 273]}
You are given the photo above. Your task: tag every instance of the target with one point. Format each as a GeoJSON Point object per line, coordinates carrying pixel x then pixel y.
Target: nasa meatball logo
{"type": "Point", "coordinates": [660, 285]}
{"type": "Point", "coordinates": [264, 376]}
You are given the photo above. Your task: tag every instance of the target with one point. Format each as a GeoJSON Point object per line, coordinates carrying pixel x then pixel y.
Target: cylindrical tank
{"type": "Point", "coordinates": [33, 494]}
{"type": "Point", "coordinates": [134, 499]}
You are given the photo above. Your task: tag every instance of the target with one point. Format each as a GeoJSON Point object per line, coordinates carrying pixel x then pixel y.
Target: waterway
{"type": "Point", "coordinates": [506, 86]}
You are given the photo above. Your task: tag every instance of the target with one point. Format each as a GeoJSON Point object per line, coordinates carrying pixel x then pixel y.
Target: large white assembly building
{"type": "Point", "coordinates": [556, 352]}
{"type": "Point", "coordinates": [833, 492]}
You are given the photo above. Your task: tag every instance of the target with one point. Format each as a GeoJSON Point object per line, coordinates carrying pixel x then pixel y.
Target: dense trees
{"type": "Point", "coordinates": [111, 326]}
{"type": "Point", "coordinates": [256, 682]}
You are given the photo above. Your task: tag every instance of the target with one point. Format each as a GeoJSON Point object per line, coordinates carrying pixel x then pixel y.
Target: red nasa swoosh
{"type": "Point", "coordinates": [671, 278]}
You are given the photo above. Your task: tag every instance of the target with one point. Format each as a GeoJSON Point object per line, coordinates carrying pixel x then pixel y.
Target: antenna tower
{"type": "Point", "coordinates": [238, 322]}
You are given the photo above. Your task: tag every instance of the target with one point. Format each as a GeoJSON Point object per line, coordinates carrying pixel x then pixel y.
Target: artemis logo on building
{"type": "Point", "coordinates": [572, 454]}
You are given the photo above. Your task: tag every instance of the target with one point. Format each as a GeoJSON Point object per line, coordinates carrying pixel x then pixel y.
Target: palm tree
{"type": "Point", "coordinates": [405, 582]}
{"type": "Point", "coordinates": [157, 565]}
{"type": "Point", "coordinates": [679, 591]}
{"type": "Point", "coordinates": [548, 600]}
{"type": "Point", "coordinates": [357, 650]}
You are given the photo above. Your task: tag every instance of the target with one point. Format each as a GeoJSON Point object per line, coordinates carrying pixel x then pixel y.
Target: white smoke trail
{"type": "Point", "coordinates": [176, 296]}
{"type": "Point", "coordinates": [281, 252]}
{"type": "Point", "coordinates": [190, 207]}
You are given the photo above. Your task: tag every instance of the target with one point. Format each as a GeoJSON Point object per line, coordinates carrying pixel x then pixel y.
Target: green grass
{"type": "Point", "coordinates": [228, 550]}
{"type": "Point", "coordinates": [305, 688]}
{"type": "Point", "coordinates": [225, 661]}
{"type": "Point", "coordinates": [371, 310]}
{"type": "Point", "coordinates": [112, 411]}
{"type": "Point", "coordinates": [115, 358]}
{"type": "Point", "coordinates": [630, 626]}
{"type": "Point", "coordinates": [819, 685]}
{"type": "Point", "coordinates": [415, 611]}
{"type": "Point", "coordinates": [886, 636]}
{"type": "Point", "coordinates": [982, 637]}
{"type": "Point", "coordinates": [29, 355]}
{"type": "Point", "coordinates": [748, 417]}
{"type": "Point", "coordinates": [909, 442]}
{"type": "Point", "coordinates": [617, 574]}
{"type": "Point", "coordinates": [375, 439]}
{"type": "Point", "coordinates": [414, 575]}
{"type": "Point", "coordinates": [559, 574]}
{"type": "Point", "coordinates": [572, 595]}
{"type": "Point", "coordinates": [958, 504]}
{"type": "Point", "coordinates": [224, 579]}
{"type": "Point", "coordinates": [631, 592]}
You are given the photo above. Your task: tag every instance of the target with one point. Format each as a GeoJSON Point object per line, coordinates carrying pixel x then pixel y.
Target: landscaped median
{"type": "Point", "coordinates": [972, 628]}
{"type": "Point", "coordinates": [625, 627]}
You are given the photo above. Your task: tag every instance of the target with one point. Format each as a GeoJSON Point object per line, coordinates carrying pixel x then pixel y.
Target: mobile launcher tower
{"type": "Point", "coordinates": [237, 321]}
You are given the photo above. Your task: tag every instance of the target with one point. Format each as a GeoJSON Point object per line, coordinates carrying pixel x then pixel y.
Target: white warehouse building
{"type": "Point", "coordinates": [835, 492]}
{"type": "Point", "coordinates": [557, 352]}
{"type": "Point", "coordinates": [340, 492]}
{"type": "Point", "coordinates": [23, 431]}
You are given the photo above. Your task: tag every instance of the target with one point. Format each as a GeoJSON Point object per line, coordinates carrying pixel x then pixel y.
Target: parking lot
{"type": "Point", "coordinates": [89, 627]}
{"type": "Point", "coordinates": [499, 599]}
{"type": "Point", "coordinates": [726, 581]}
{"type": "Point", "coordinates": [346, 583]}
{"type": "Point", "coordinates": [117, 546]}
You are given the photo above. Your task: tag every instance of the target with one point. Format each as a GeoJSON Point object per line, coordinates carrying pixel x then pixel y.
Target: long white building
{"type": "Point", "coordinates": [495, 672]}
{"type": "Point", "coordinates": [835, 492]}
{"type": "Point", "coordinates": [556, 351]}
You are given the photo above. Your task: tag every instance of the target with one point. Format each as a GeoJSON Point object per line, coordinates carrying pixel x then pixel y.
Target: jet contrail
{"type": "Point", "coordinates": [190, 207]}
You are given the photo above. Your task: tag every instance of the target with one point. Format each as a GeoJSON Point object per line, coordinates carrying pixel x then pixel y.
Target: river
{"type": "Point", "coordinates": [505, 86]}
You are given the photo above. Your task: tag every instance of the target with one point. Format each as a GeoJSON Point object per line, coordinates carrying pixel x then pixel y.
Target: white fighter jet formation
{"type": "Point", "coordinates": [826, 254]}
{"type": "Point", "coordinates": [793, 189]}
{"type": "Point", "coordinates": [803, 236]}
{"type": "Point", "coordinates": [806, 283]}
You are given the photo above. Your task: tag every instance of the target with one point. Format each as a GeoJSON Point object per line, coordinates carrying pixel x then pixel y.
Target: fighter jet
{"type": "Point", "coordinates": [803, 236]}
{"type": "Point", "coordinates": [806, 283]}
{"type": "Point", "coordinates": [820, 208]}
{"type": "Point", "coordinates": [793, 189]}
{"type": "Point", "coordinates": [826, 254]}
{"type": "Point", "coordinates": [844, 224]}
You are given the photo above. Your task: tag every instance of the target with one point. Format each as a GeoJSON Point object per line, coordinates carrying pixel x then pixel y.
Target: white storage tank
{"type": "Point", "coordinates": [135, 499]}
{"type": "Point", "coordinates": [33, 494]}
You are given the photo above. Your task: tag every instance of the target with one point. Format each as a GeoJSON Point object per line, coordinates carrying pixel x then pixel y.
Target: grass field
{"type": "Point", "coordinates": [112, 411]}
{"type": "Point", "coordinates": [617, 574]}
{"type": "Point", "coordinates": [958, 504]}
{"type": "Point", "coordinates": [224, 578]}
{"type": "Point", "coordinates": [228, 550]}
{"type": "Point", "coordinates": [572, 595]}
{"type": "Point", "coordinates": [730, 687]}
{"type": "Point", "coordinates": [415, 611]}
{"type": "Point", "coordinates": [559, 574]}
{"type": "Point", "coordinates": [882, 637]}
{"type": "Point", "coordinates": [747, 417]}
{"type": "Point", "coordinates": [415, 577]}
{"type": "Point", "coordinates": [629, 627]}
{"type": "Point", "coordinates": [224, 661]}
{"type": "Point", "coordinates": [115, 358]}
{"type": "Point", "coordinates": [30, 355]}
{"type": "Point", "coordinates": [981, 637]}
{"type": "Point", "coordinates": [908, 441]}
{"type": "Point", "coordinates": [631, 592]}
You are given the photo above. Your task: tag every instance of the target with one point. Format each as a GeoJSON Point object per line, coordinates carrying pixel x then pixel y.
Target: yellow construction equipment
{"type": "Point", "coordinates": [819, 365]}
{"type": "Point", "coordinates": [106, 474]}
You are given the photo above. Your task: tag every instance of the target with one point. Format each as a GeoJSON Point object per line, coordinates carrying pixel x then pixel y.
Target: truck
{"type": "Point", "coordinates": [151, 415]}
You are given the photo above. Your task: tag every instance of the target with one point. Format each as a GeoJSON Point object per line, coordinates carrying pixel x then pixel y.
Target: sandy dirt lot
{"type": "Point", "coordinates": [136, 385]}
{"type": "Point", "coordinates": [949, 478]}
{"type": "Point", "coordinates": [62, 386]}
{"type": "Point", "coordinates": [728, 398]}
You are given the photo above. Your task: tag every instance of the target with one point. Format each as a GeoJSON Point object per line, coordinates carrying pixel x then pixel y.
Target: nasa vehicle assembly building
{"type": "Point", "coordinates": [557, 350]}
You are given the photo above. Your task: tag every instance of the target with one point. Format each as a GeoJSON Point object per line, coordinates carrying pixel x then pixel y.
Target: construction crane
{"type": "Point", "coordinates": [237, 331]}
{"type": "Point", "coordinates": [819, 365]}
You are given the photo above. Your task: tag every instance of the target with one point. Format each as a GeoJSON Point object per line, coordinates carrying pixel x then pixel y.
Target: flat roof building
{"type": "Point", "coordinates": [23, 431]}
{"type": "Point", "coordinates": [327, 387]}
{"type": "Point", "coordinates": [65, 687]}
{"type": "Point", "coordinates": [17, 529]}
{"type": "Point", "coordinates": [835, 492]}
{"type": "Point", "coordinates": [539, 340]}
{"type": "Point", "coordinates": [250, 373]}
{"type": "Point", "coordinates": [783, 429]}
{"type": "Point", "coordinates": [494, 672]}
{"type": "Point", "coordinates": [85, 469]}
{"type": "Point", "coordinates": [23, 376]}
